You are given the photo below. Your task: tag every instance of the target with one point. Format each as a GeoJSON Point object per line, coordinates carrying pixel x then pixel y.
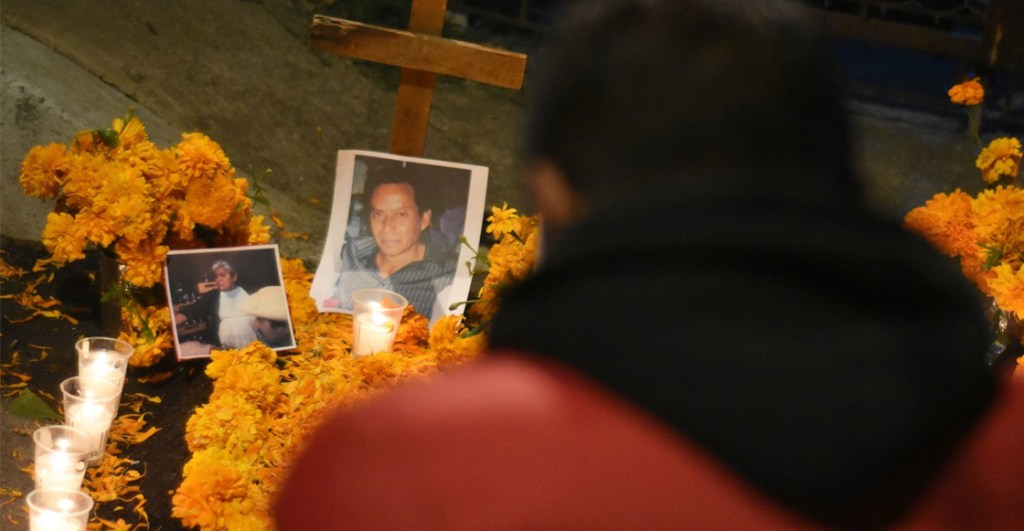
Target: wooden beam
{"type": "Point", "coordinates": [418, 52]}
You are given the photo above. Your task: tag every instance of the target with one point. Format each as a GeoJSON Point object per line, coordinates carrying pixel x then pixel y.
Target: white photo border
{"type": "Point", "coordinates": [232, 254]}
{"type": "Point", "coordinates": [345, 188]}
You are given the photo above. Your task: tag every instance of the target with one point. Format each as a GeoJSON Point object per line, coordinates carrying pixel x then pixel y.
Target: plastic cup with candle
{"type": "Point", "coordinates": [104, 357]}
{"type": "Point", "coordinates": [90, 405]}
{"type": "Point", "coordinates": [58, 509]}
{"type": "Point", "coordinates": [376, 314]}
{"type": "Point", "coordinates": [60, 457]}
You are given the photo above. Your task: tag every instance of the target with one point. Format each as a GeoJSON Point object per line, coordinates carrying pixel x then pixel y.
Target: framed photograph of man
{"type": "Point", "coordinates": [226, 298]}
{"type": "Point", "coordinates": [395, 224]}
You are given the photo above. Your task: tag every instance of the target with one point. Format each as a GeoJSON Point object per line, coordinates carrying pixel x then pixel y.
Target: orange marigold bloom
{"type": "Point", "coordinates": [969, 92]}
{"type": "Point", "coordinates": [143, 261]}
{"type": "Point", "coordinates": [259, 232]}
{"type": "Point", "coordinates": [945, 221]}
{"type": "Point", "coordinates": [1000, 159]}
{"type": "Point", "coordinates": [210, 200]}
{"type": "Point", "coordinates": [1007, 288]}
{"type": "Point", "coordinates": [199, 156]}
{"type": "Point", "coordinates": [43, 170]}
{"type": "Point", "coordinates": [64, 238]}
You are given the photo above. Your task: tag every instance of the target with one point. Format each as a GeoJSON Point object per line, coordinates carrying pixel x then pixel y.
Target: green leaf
{"type": "Point", "coordinates": [28, 405]}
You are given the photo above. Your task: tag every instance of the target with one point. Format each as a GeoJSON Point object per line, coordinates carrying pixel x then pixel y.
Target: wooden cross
{"type": "Point", "coordinates": [422, 54]}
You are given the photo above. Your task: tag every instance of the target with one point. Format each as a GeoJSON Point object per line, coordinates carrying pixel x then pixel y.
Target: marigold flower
{"type": "Point", "coordinates": [131, 133]}
{"type": "Point", "coordinates": [43, 170]}
{"type": "Point", "coordinates": [259, 232]}
{"type": "Point", "coordinates": [63, 238]}
{"type": "Point", "coordinates": [199, 157]}
{"type": "Point", "coordinates": [143, 261]}
{"type": "Point", "coordinates": [969, 92]}
{"type": "Point", "coordinates": [1007, 288]}
{"type": "Point", "coordinates": [1000, 159]}
{"type": "Point", "coordinates": [946, 222]}
{"type": "Point", "coordinates": [210, 200]}
{"type": "Point", "coordinates": [502, 220]}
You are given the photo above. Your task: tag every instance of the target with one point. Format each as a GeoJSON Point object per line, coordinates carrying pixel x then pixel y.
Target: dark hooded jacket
{"type": "Point", "coordinates": [823, 353]}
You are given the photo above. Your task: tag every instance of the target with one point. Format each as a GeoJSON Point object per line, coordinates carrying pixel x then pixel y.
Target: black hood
{"type": "Point", "coordinates": [824, 354]}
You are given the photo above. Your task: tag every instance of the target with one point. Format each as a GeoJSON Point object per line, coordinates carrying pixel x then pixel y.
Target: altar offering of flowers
{"type": "Point", "coordinates": [264, 405]}
{"type": "Point", "coordinates": [985, 231]}
{"type": "Point", "coordinates": [117, 191]}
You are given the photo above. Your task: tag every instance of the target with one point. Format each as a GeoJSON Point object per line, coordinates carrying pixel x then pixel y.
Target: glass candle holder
{"type": "Point", "coordinates": [61, 455]}
{"type": "Point", "coordinates": [376, 314]}
{"type": "Point", "coordinates": [90, 405]}
{"type": "Point", "coordinates": [103, 357]}
{"type": "Point", "coordinates": [58, 510]}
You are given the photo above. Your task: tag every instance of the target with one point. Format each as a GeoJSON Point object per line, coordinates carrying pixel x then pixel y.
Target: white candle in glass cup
{"type": "Point", "coordinates": [376, 314]}
{"type": "Point", "coordinates": [60, 457]}
{"type": "Point", "coordinates": [374, 332]}
{"type": "Point", "coordinates": [103, 357]}
{"type": "Point", "coordinates": [58, 509]}
{"type": "Point", "coordinates": [90, 405]}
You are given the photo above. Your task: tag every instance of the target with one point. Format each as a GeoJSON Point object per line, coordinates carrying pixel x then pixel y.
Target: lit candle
{"type": "Point", "coordinates": [60, 455]}
{"type": "Point", "coordinates": [374, 332]}
{"type": "Point", "coordinates": [53, 521]}
{"type": "Point", "coordinates": [101, 364]}
{"type": "Point", "coordinates": [58, 509]}
{"type": "Point", "coordinates": [59, 470]}
{"type": "Point", "coordinates": [91, 418]}
{"type": "Point", "coordinates": [103, 357]}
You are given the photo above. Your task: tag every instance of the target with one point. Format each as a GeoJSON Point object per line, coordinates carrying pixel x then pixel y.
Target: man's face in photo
{"type": "Point", "coordinates": [395, 219]}
{"type": "Point", "coordinates": [225, 279]}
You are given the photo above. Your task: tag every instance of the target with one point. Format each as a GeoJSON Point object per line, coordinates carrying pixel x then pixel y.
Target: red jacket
{"type": "Point", "coordinates": [515, 443]}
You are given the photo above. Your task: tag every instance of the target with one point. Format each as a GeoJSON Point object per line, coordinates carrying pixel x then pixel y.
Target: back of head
{"type": "Point", "coordinates": [638, 91]}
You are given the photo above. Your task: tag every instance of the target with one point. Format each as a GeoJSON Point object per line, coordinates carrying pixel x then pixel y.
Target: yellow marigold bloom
{"type": "Point", "coordinates": [130, 133]}
{"type": "Point", "coordinates": [969, 92]}
{"type": "Point", "coordinates": [231, 422]}
{"type": "Point", "coordinates": [255, 353]}
{"type": "Point", "coordinates": [211, 199]}
{"type": "Point", "coordinates": [999, 221]}
{"type": "Point", "coordinates": [143, 261]}
{"type": "Point", "coordinates": [199, 157]}
{"type": "Point", "coordinates": [1007, 288]}
{"type": "Point", "coordinates": [447, 343]}
{"type": "Point", "coordinates": [85, 177]}
{"type": "Point", "coordinates": [1000, 159]}
{"type": "Point", "coordinates": [63, 238]}
{"type": "Point", "coordinates": [502, 220]}
{"type": "Point", "coordinates": [295, 269]}
{"type": "Point", "coordinates": [218, 493]}
{"type": "Point", "coordinates": [412, 333]}
{"type": "Point", "coordinates": [259, 232]}
{"type": "Point", "coordinates": [259, 383]}
{"type": "Point", "coordinates": [95, 227]}
{"type": "Point", "coordinates": [43, 170]}
{"type": "Point", "coordinates": [946, 222]}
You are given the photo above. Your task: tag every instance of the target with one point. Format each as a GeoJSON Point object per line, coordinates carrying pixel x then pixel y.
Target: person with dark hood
{"type": "Point", "coordinates": [721, 334]}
